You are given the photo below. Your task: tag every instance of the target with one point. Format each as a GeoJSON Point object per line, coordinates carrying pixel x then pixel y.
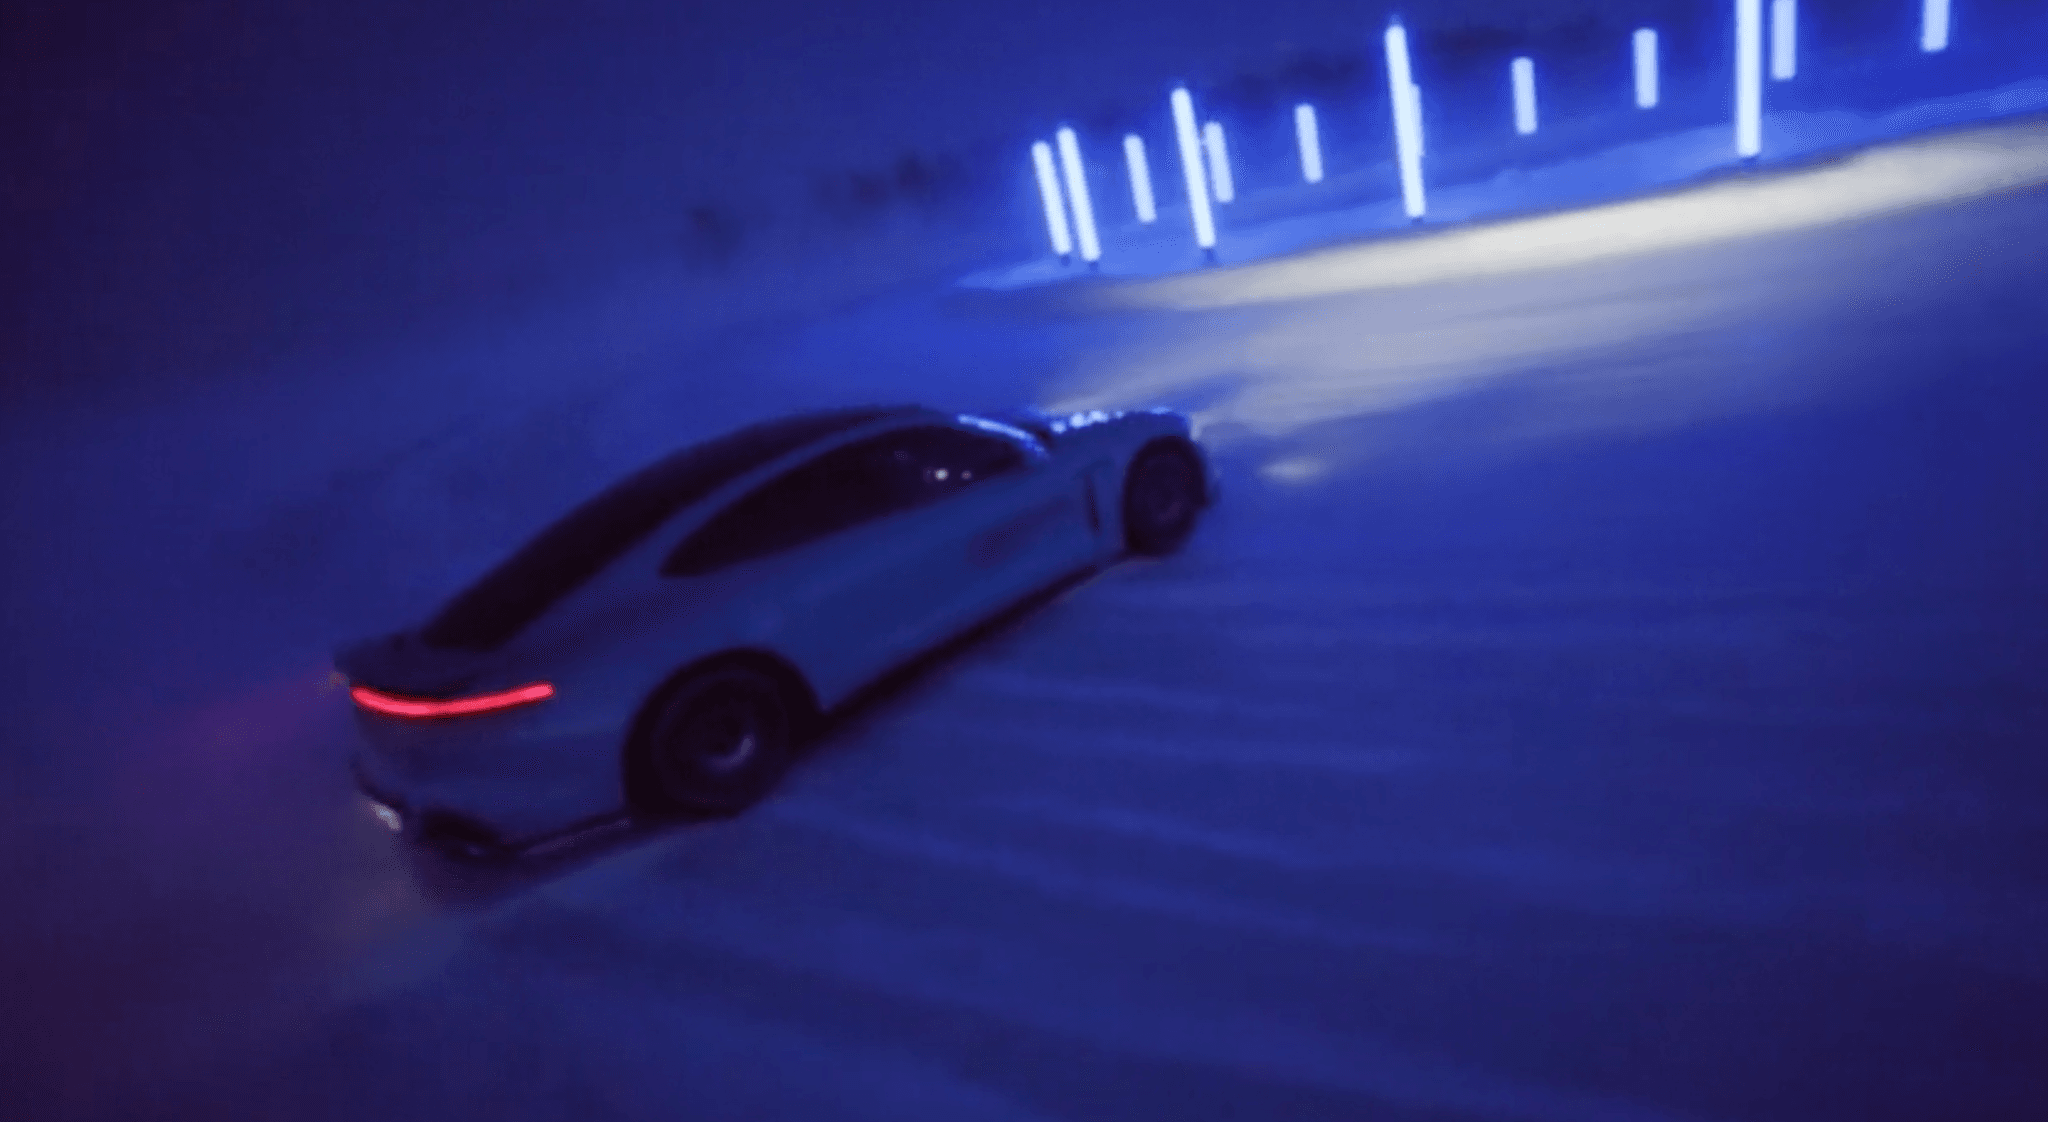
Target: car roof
{"type": "Point", "coordinates": [577, 545]}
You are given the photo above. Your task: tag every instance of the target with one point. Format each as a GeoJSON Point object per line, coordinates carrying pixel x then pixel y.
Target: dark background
{"type": "Point", "coordinates": [198, 190]}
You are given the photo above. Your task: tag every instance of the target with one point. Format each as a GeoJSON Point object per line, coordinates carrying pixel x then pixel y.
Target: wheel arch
{"type": "Point", "coordinates": [806, 712]}
{"type": "Point", "coordinates": [1178, 442]}
{"type": "Point", "coordinates": [1175, 444]}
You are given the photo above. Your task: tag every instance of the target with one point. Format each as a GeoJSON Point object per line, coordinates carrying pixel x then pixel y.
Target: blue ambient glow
{"type": "Point", "coordinates": [1749, 77]}
{"type": "Point", "coordinates": [1191, 168]}
{"type": "Point", "coordinates": [1091, 417]}
{"type": "Point", "coordinates": [1219, 162]}
{"type": "Point", "coordinates": [1049, 191]}
{"type": "Point", "coordinates": [1407, 100]}
{"type": "Point", "coordinates": [1524, 71]}
{"type": "Point", "coordinates": [1311, 144]}
{"type": "Point", "coordinates": [1141, 178]}
{"type": "Point", "coordinates": [1646, 68]}
{"type": "Point", "coordinates": [1926, 172]}
{"type": "Point", "coordinates": [1077, 196]}
{"type": "Point", "coordinates": [1073, 421]}
{"type": "Point", "coordinates": [1784, 39]}
{"type": "Point", "coordinates": [1933, 25]}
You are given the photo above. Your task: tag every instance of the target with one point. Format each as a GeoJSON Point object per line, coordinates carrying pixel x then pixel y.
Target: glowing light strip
{"type": "Point", "coordinates": [1415, 118]}
{"type": "Point", "coordinates": [1311, 143]}
{"type": "Point", "coordinates": [1219, 161]}
{"type": "Point", "coordinates": [1749, 80]}
{"type": "Point", "coordinates": [1933, 25]}
{"type": "Point", "coordinates": [1784, 39]}
{"type": "Point", "coordinates": [1141, 178]}
{"type": "Point", "coordinates": [396, 706]}
{"type": "Point", "coordinates": [1049, 191]}
{"type": "Point", "coordinates": [1191, 168]}
{"type": "Point", "coordinates": [1407, 119]}
{"type": "Point", "coordinates": [1524, 73]}
{"type": "Point", "coordinates": [1077, 196]}
{"type": "Point", "coordinates": [1646, 68]}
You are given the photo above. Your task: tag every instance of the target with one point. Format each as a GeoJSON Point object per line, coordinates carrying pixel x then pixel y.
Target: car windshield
{"type": "Point", "coordinates": [581, 543]}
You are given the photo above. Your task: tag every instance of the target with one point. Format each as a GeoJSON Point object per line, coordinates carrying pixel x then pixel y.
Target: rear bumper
{"type": "Point", "coordinates": [486, 785]}
{"type": "Point", "coordinates": [416, 819]}
{"type": "Point", "coordinates": [443, 828]}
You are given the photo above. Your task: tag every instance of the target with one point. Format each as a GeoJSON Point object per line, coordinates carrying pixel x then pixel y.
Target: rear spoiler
{"type": "Point", "coordinates": [401, 664]}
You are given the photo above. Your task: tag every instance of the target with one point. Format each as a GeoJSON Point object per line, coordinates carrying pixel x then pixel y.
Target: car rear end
{"type": "Point", "coordinates": [468, 737]}
{"type": "Point", "coordinates": [471, 755]}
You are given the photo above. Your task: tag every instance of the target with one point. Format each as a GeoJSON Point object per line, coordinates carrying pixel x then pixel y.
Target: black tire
{"type": "Point", "coordinates": [718, 741]}
{"type": "Point", "coordinates": [1162, 498]}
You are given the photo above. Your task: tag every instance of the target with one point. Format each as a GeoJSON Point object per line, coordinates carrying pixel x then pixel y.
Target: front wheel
{"type": "Point", "coordinates": [719, 741]}
{"type": "Point", "coordinates": [1162, 497]}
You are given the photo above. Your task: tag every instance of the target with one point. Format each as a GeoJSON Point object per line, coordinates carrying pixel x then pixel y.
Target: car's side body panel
{"type": "Point", "coordinates": [1104, 444]}
{"type": "Point", "coordinates": [846, 608]}
{"type": "Point", "coordinates": [1030, 532]}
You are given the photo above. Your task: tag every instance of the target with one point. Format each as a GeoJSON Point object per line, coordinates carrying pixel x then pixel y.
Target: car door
{"type": "Point", "coordinates": [834, 564]}
{"type": "Point", "coordinates": [1003, 522]}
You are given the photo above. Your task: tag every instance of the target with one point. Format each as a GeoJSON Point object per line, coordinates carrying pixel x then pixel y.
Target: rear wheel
{"type": "Point", "coordinates": [1162, 497]}
{"type": "Point", "coordinates": [719, 740]}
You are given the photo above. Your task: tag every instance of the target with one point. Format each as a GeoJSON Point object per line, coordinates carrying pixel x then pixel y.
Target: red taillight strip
{"type": "Point", "coordinates": [396, 706]}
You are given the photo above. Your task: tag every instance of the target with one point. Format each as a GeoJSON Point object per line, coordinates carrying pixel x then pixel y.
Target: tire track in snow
{"type": "Point", "coordinates": [1170, 745]}
{"type": "Point", "coordinates": [1005, 1009]}
{"type": "Point", "coordinates": [1091, 886]}
{"type": "Point", "coordinates": [1611, 884]}
{"type": "Point", "coordinates": [1073, 690]}
{"type": "Point", "coordinates": [765, 1067]}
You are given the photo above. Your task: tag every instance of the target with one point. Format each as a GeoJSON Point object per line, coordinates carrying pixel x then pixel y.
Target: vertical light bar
{"type": "Point", "coordinates": [1784, 39]}
{"type": "Point", "coordinates": [1407, 119]}
{"type": "Point", "coordinates": [1524, 72]}
{"type": "Point", "coordinates": [1191, 169]}
{"type": "Point", "coordinates": [1049, 191]}
{"type": "Point", "coordinates": [1415, 116]}
{"type": "Point", "coordinates": [1311, 143]}
{"type": "Point", "coordinates": [1141, 178]}
{"type": "Point", "coordinates": [1933, 25]}
{"type": "Point", "coordinates": [1646, 68]}
{"type": "Point", "coordinates": [1219, 162]}
{"type": "Point", "coordinates": [1077, 197]}
{"type": "Point", "coordinates": [1749, 77]}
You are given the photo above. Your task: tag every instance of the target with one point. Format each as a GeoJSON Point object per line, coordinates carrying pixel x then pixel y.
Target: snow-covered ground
{"type": "Point", "coordinates": [1610, 690]}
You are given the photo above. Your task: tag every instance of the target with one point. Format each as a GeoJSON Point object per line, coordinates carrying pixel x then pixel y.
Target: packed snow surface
{"type": "Point", "coordinates": [1611, 690]}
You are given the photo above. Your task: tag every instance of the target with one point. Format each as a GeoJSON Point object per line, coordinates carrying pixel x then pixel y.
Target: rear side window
{"type": "Point", "coordinates": [936, 462]}
{"type": "Point", "coordinates": [842, 489]}
{"type": "Point", "coordinates": [581, 543]}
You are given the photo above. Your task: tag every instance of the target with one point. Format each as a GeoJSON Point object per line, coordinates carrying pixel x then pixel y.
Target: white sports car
{"type": "Point", "coordinates": [667, 645]}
